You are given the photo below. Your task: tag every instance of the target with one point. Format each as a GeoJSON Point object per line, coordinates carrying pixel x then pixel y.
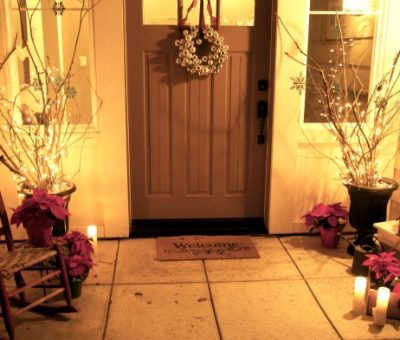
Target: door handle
{"type": "Point", "coordinates": [262, 113]}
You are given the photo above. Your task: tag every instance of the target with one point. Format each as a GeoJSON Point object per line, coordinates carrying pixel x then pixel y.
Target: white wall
{"type": "Point", "coordinates": [300, 176]}
{"type": "Point", "coordinates": [102, 183]}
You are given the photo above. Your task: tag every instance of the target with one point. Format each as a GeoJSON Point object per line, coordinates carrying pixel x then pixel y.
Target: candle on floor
{"type": "Point", "coordinates": [382, 301]}
{"type": "Point", "coordinates": [360, 286]}
{"type": "Point", "coordinates": [92, 234]}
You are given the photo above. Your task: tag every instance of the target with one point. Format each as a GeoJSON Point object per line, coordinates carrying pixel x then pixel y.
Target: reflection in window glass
{"type": "Point", "coordinates": [237, 13]}
{"type": "Point", "coordinates": [358, 33]}
{"type": "Point", "coordinates": [55, 39]}
{"type": "Point", "coordinates": [233, 12]}
{"type": "Point", "coordinates": [193, 14]}
{"type": "Point", "coordinates": [157, 12]}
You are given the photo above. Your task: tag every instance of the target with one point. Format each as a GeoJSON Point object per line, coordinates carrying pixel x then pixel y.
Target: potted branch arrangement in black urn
{"type": "Point", "coordinates": [358, 125]}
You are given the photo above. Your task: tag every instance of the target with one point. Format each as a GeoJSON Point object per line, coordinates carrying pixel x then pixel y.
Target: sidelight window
{"type": "Point", "coordinates": [356, 21]}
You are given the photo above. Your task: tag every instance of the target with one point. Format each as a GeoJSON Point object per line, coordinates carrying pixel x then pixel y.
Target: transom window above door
{"type": "Point", "coordinates": [233, 12]}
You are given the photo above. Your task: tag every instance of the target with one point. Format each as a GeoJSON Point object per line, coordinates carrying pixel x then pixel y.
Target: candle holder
{"type": "Point", "coordinates": [393, 310]}
{"type": "Point", "coordinates": [378, 302]}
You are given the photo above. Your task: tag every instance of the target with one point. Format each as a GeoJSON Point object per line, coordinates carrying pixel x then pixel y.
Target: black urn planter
{"type": "Point", "coordinates": [368, 206]}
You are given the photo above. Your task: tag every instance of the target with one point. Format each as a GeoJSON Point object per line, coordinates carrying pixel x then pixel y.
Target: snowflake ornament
{"type": "Point", "coordinates": [381, 102]}
{"type": "Point", "coordinates": [58, 81]}
{"type": "Point", "coordinates": [70, 91]}
{"type": "Point", "coordinates": [58, 8]}
{"type": "Point", "coordinates": [36, 84]}
{"type": "Point", "coordinates": [298, 83]}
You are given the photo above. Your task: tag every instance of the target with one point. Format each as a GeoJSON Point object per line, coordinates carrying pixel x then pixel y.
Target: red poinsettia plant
{"type": "Point", "coordinates": [41, 210]}
{"type": "Point", "coordinates": [386, 268]}
{"type": "Point", "coordinates": [78, 255]}
{"type": "Point", "coordinates": [327, 216]}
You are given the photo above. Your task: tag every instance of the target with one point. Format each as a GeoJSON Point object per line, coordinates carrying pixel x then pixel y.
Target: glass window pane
{"type": "Point", "coordinates": [323, 47]}
{"type": "Point", "coordinates": [55, 38]}
{"type": "Point", "coordinates": [157, 12]}
{"type": "Point", "coordinates": [47, 4]}
{"type": "Point", "coordinates": [237, 12]}
{"type": "Point", "coordinates": [233, 12]}
{"type": "Point", "coordinates": [343, 5]}
{"type": "Point", "coordinates": [193, 14]}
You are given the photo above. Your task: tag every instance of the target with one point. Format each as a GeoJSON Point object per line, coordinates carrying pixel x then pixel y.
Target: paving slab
{"type": "Point", "coordinates": [336, 298]}
{"type": "Point", "coordinates": [88, 323]}
{"type": "Point", "coordinates": [269, 310]}
{"type": "Point", "coordinates": [314, 261]}
{"type": "Point", "coordinates": [105, 258]}
{"type": "Point", "coordinates": [137, 264]}
{"type": "Point", "coordinates": [161, 311]}
{"type": "Point", "coordinates": [273, 264]}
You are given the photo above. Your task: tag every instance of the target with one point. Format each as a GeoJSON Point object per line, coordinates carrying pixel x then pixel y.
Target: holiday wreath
{"type": "Point", "coordinates": [189, 57]}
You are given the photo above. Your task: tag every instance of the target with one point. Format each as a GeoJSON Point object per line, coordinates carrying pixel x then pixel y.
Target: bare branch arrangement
{"type": "Point", "coordinates": [359, 126]}
{"type": "Point", "coordinates": [39, 121]}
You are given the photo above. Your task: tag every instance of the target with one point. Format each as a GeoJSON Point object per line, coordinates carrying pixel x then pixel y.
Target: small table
{"type": "Point", "coordinates": [388, 233]}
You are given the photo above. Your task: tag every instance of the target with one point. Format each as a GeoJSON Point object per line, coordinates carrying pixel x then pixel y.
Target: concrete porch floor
{"type": "Point", "coordinates": [296, 290]}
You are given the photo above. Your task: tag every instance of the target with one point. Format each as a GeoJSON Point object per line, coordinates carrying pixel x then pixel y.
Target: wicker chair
{"type": "Point", "coordinates": [51, 277]}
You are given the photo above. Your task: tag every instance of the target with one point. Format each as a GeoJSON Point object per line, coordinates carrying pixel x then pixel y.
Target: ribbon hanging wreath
{"type": "Point", "coordinates": [193, 37]}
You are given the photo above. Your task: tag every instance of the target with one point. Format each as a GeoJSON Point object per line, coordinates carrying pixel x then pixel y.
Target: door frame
{"type": "Point", "coordinates": [267, 131]}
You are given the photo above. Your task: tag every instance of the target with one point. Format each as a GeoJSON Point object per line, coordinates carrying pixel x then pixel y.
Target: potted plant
{"type": "Point", "coordinates": [329, 219]}
{"type": "Point", "coordinates": [359, 125]}
{"type": "Point", "coordinates": [385, 269]}
{"type": "Point", "coordinates": [77, 259]}
{"type": "Point", "coordinates": [38, 214]}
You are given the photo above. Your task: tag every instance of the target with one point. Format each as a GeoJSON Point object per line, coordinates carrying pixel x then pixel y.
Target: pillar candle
{"type": "Point", "coordinates": [92, 234]}
{"type": "Point", "coordinates": [382, 301]}
{"type": "Point", "coordinates": [360, 286]}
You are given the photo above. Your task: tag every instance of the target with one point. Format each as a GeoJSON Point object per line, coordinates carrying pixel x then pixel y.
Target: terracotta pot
{"type": "Point", "coordinates": [40, 237]}
{"type": "Point", "coordinates": [330, 237]}
{"type": "Point", "coordinates": [393, 311]}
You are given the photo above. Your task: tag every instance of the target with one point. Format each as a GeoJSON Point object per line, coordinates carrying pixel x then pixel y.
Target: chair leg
{"type": "Point", "coordinates": [20, 282]}
{"type": "Point", "coordinates": [64, 275]}
{"type": "Point", "coordinates": [5, 306]}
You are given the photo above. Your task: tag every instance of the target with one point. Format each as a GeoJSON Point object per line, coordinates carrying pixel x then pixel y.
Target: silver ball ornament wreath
{"type": "Point", "coordinates": [208, 64]}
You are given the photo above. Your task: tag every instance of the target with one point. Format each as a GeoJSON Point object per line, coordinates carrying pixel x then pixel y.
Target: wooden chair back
{"type": "Point", "coordinates": [52, 278]}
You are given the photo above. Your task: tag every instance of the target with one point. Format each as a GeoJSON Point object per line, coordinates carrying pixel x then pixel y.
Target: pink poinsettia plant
{"type": "Point", "coordinates": [78, 255]}
{"type": "Point", "coordinates": [327, 216]}
{"type": "Point", "coordinates": [386, 267]}
{"type": "Point", "coordinates": [39, 211]}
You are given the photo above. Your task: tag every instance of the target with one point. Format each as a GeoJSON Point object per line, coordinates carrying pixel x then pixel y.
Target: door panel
{"type": "Point", "coordinates": [193, 140]}
{"type": "Point", "coordinates": [157, 124]}
{"type": "Point", "coordinates": [199, 138]}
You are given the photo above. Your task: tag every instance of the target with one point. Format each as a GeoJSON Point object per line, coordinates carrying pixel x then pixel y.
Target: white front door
{"type": "Point", "coordinates": [301, 176]}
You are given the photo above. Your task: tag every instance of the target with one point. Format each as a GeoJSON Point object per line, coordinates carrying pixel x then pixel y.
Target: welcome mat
{"type": "Point", "coordinates": [205, 247]}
